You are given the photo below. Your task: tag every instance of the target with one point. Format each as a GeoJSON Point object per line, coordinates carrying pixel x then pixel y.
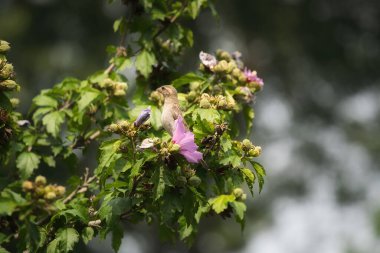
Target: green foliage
{"type": "Point", "coordinates": [141, 175]}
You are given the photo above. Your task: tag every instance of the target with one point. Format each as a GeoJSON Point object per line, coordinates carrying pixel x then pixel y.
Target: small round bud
{"type": "Point", "coordinates": [222, 103]}
{"type": "Point", "coordinates": [194, 85]}
{"type": "Point", "coordinates": [181, 180]}
{"type": "Point", "coordinates": [247, 144]}
{"type": "Point", "coordinates": [195, 181]}
{"type": "Point", "coordinates": [191, 96]}
{"type": "Point", "coordinates": [119, 93]}
{"type": "Point", "coordinates": [236, 72]}
{"type": "Point", "coordinates": [27, 186]}
{"type": "Point", "coordinates": [4, 46]}
{"type": "Point", "coordinates": [223, 55]}
{"type": "Point", "coordinates": [243, 197]}
{"type": "Point", "coordinates": [60, 190]}
{"type": "Point", "coordinates": [9, 85]}
{"type": "Point", "coordinates": [222, 66]}
{"type": "Point", "coordinates": [7, 71]}
{"type": "Point", "coordinates": [15, 102]}
{"type": "Point", "coordinates": [204, 103]}
{"type": "Point", "coordinates": [231, 66]}
{"type": "Point", "coordinates": [175, 148]}
{"type": "Point", "coordinates": [238, 192]}
{"type": "Point", "coordinates": [49, 188]}
{"type": "Point", "coordinates": [242, 78]}
{"type": "Point", "coordinates": [124, 124]}
{"type": "Point", "coordinates": [40, 191]}
{"type": "Point", "coordinates": [164, 151]}
{"type": "Point", "coordinates": [113, 128]}
{"type": "Point", "coordinates": [40, 180]}
{"type": "Point", "coordinates": [50, 195]}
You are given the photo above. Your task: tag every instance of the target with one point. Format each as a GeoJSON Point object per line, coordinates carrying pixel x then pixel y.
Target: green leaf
{"type": "Point", "coordinates": [159, 183]}
{"type": "Point", "coordinates": [7, 206]}
{"type": "Point", "coordinates": [260, 172]}
{"type": "Point", "coordinates": [49, 160]}
{"type": "Point", "coordinates": [67, 238]}
{"type": "Point", "coordinates": [220, 203]}
{"type": "Point", "coordinates": [53, 246]}
{"type": "Point", "coordinates": [144, 62]}
{"type": "Point", "coordinates": [231, 159]}
{"type": "Point", "coordinates": [108, 154]}
{"type": "Point", "coordinates": [239, 208]}
{"type": "Point", "coordinates": [53, 121]}
{"type": "Point", "coordinates": [87, 234]}
{"type": "Point", "coordinates": [186, 79]}
{"type": "Point", "coordinates": [117, 236]}
{"type": "Point", "coordinates": [44, 100]}
{"type": "Point", "coordinates": [195, 7]}
{"type": "Point", "coordinates": [155, 117]}
{"type": "Point", "coordinates": [185, 230]}
{"type": "Point", "coordinates": [249, 178]}
{"type": "Point", "coordinates": [86, 98]}
{"type": "Point", "coordinates": [26, 162]}
{"type": "Point", "coordinates": [210, 115]}
{"type": "Point", "coordinates": [2, 250]}
{"type": "Point", "coordinates": [249, 115]}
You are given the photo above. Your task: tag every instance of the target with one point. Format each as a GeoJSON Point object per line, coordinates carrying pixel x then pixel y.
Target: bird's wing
{"type": "Point", "coordinates": [176, 112]}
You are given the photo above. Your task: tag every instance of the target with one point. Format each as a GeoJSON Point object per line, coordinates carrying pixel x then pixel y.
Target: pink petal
{"type": "Point", "coordinates": [192, 157]}
{"type": "Point", "coordinates": [187, 143]}
{"type": "Point", "coordinates": [179, 130]}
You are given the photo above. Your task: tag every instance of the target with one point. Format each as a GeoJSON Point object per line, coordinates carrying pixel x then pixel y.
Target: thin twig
{"type": "Point", "coordinates": [80, 188]}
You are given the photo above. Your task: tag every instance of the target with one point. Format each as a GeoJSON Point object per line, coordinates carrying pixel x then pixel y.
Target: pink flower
{"type": "Point", "coordinates": [252, 77]}
{"type": "Point", "coordinates": [185, 139]}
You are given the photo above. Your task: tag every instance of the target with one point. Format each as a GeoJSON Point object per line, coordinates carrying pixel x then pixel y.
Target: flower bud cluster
{"type": "Point", "coordinates": [7, 74]}
{"type": "Point", "coordinates": [40, 189]}
{"type": "Point", "coordinates": [124, 127]}
{"type": "Point", "coordinates": [157, 97]}
{"type": "Point", "coordinates": [216, 102]}
{"type": "Point", "coordinates": [189, 177]}
{"type": "Point", "coordinates": [118, 89]}
{"type": "Point", "coordinates": [239, 194]}
{"type": "Point", "coordinates": [249, 149]}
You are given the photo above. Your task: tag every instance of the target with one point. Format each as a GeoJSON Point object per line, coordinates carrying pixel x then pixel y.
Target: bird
{"type": "Point", "coordinates": [170, 110]}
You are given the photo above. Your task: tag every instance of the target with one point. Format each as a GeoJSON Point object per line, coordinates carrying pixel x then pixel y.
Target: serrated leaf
{"type": "Point", "coordinates": [210, 115]}
{"type": "Point", "coordinates": [27, 162]}
{"type": "Point", "coordinates": [2, 250]}
{"type": "Point", "coordinates": [87, 234]}
{"type": "Point", "coordinates": [144, 62]}
{"type": "Point", "coordinates": [53, 246]}
{"type": "Point", "coordinates": [86, 98]}
{"type": "Point", "coordinates": [239, 208]}
{"type": "Point", "coordinates": [231, 159]}
{"type": "Point", "coordinates": [185, 230]}
{"type": "Point", "coordinates": [108, 154]}
{"type": "Point", "coordinates": [67, 238]}
{"type": "Point", "coordinates": [155, 118]}
{"type": "Point", "coordinates": [249, 178]}
{"type": "Point", "coordinates": [53, 121]}
{"type": "Point", "coordinates": [186, 79]}
{"type": "Point", "coordinates": [49, 160]}
{"type": "Point", "coordinates": [260, 172]}
{"type": "Point", "coordinates": [44, 100]}
{"type": "Point", "coordinates": [220, 203]}
{"type": "Point", "coordinates": [159, 183]}
{"type": "Point", "coordinates": [117, 235]}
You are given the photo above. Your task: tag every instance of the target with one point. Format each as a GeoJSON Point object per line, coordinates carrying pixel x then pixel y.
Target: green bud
{"type": "Point", "coordinates": [191, 96]}
{"type": "Point", "coordinates": [194, 85]}
{"type": "Point", "coordinates": [221, 67]}
{"type": "Point", "coordinates": [124, 124]}
{"type": "Point", "coordinates": [27, 186]}
{"type": "Point", "coordinates": [222, 103]}
{"type": "Point", "coordinates": [175, 148]}
{"type": "Point", "coordinates": [9, 85]}
{"type": "Point", "coordinates": [15, 102]}
{"type": "Point", "coordinates": [202, 67]}
{"type": "Point", "coordinates": [60, 190]}
{"type": "Point", "coordinates": [238, 192]}
{"type": "Point", "coordinates": [204, 103]}
{"type": "Point", "coordinates": [243, 197]}
{"type": "Point", "coordinates": [247, 144]}
{"type": "Point", "coordinates": [181, 180]}
{"type": "Point", "coordinates": [7, 71]}
{"type": "Point", "coordinates": [119, 93]}
{"type": "Point", "coordinates": [40, 191]}
{"type": "Point", "coordinates": [40, 180]}
{"type": "Point", "coordinates": [231, 66]}
{"type": "Point", "coordinates": [236, 72]}
{"type": "Point", "coordinates": [223, 55]}
{"type": "Point", "coordinates": [50, 195]}
{"type": "Point", "coordinates": [4, 46]}
{"type": "Point", "coordinates": [113, 128]}
{"type": "Point", "coordinates": [195, 181]}
{"type": "Point", "coordinates": [242, 78]}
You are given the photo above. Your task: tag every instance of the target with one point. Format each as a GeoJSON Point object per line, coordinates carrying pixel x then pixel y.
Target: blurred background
{"type": "Point", "coordinates": [317, 118]}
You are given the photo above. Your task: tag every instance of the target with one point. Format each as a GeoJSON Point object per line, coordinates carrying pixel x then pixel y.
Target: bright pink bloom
{"type": "Point", "coordinates": [252, 77]}
{"type": "Point", "coordinates": [185, 139]}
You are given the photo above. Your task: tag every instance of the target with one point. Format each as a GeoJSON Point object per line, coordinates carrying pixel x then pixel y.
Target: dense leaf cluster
{"type": "Point", "coordinates": [132, 181]}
